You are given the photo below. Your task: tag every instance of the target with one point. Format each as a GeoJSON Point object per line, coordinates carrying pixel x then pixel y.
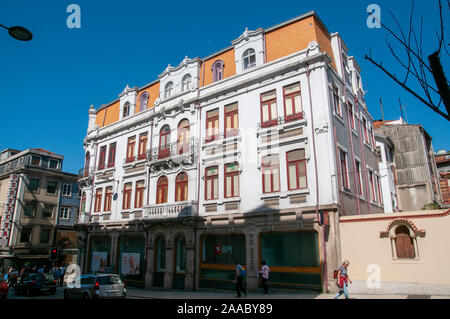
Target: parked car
{"type": "Point", "coordinates": [3, 288]}
{"type": "Point", "coordinates": [94, 286]}
{"type": "Point", "coordinates": [34, 283]}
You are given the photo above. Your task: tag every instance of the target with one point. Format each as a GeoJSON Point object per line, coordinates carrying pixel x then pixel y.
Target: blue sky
{"type": "Point", "coordinates": [48, 84]}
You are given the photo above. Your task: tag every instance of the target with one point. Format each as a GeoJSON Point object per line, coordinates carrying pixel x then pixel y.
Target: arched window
{"type": "Point", "coordinates": [164, 140]}
{"type": "Point", "coordinates": [143, 101]}
{"type": "Point", "coordinates": [161, 190]}
{"type": "Point", "coordinates": [249, 58]}
{"type": "Point", "coordinates": [181, 187]}
{"type": "Point", "coordinates": [86, 164]}
{"type": "Point", "coordinates": [183, 136]}
{"type": "Point", "coordinates": [217, 69]}
{"type": "Point", "coordinates": [168, 90]}
{"type": "Point", "coordinates": [186, 83]}
{"type": "Point", "coordinates": [126, 109]}
{"type": "Point", "coordinates": [404, 244]}
{"type": "Point", "coordinates": [180, 266]}
{"type": "Point", "coordinates": [160, 254]}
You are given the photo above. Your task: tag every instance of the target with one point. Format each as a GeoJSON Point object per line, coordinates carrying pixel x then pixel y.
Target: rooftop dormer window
{"type": "Point", "coordinates": [217, 69]}
{"type": "Point", "coordinates": [186, 83]}
{"type": "Point", "coordinates": [168, 90]}
{"type": "Point", "coordinates": [249, 58]}
{"type": "Point", "coordinates": [126, 109]}
{"type": "Point", "coordinates": [143, 101]}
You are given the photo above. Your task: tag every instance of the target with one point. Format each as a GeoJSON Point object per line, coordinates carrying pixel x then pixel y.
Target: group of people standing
{"type": "Point", "coordinates": [12, 274]}
{"type": "Point", "coordinates": [241, 272]}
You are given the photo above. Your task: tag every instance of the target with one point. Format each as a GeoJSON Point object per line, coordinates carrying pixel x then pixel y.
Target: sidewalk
{"type": "Point", "coordinates": [137, 293]}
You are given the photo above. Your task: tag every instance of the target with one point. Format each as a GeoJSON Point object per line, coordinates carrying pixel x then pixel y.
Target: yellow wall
{"type": "Point", "coordinates": [230, 67]}
{"type": "Point", "coordinates": [362, 246]}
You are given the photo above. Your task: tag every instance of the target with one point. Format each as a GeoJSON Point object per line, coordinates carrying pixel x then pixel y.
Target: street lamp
{"type": "Point", "coordinates": [19, 33]}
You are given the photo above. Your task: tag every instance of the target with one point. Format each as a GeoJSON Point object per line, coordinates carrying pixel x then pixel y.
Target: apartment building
{"type": "Point", "coordinates": [31, 185]}
{"type": "Point", "coordinates": [249, 154]}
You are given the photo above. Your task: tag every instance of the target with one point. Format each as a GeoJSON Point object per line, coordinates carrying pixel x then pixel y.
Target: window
{"type": "Point", "coordinates": [98, 200]}
{"type": "Point", "coordinates": [212, 125]}
{"type": "Point", "coordinates": [249, 58]}
{"type": "Point", "coordinates": [45, 235]}
{"type": "Point", "coordinates": [366, 137]}
{"type": "Point", "coordinates": [180, 266]}
{"type": "Point", "coordinates": [51, 187]}
{"type": "Point", "coordinates": [181, 187]}
{"type": "Point", "coordinates": [127, 196]}
{"type": "Point", "coordinates": [64, 213]}
{"type": "Point", "coordinates": [344, 171]}
{"type": "Point", "coordinates": [168, 90]}
{"type": "Point", "coordinates": [160, 254]}
{"type": "Point", "coordinates": [292, 102]}
{"type": "Point", "coordinates": [102, 157]}
{"type": "Point", "coordinates": [143, 101]}
{"type": "Point", "coordinates": [33, 184]}
{"type": "Point", "coordinates": [296, 164]}
{"type": "Point", "coordinates": [212, 183]}
{"type": "Point", "coordinates": [161, 190]}
{"type": "Point", "coordinates": [186, 83]}
{"type": "Point", "coordinates": [108, 199]}
{"type": "Point", "coordinates": [25, 236]}
{"type": "Point", "coordinates": [53, 164]}
{"type": "Point", "coordinates": [86, 164]}
{"type": "Point", "coordinates": [48, 211]}
{"type": "Point", "coordinates": [269, 111]}
{"type": "Point", "coordinates": [142, 145]}
{"type": "Point", "coordinates": [126, 109]}
{"type": "Point", "coordinates": [130, 149]}
{"type": "Point", "coordinates": [83, 203]}
{"type": "Point", "coordinates": [336, 101]}
{"type": "Point", "coordinates": [35, 160]}
{"type": "Point", "coordinates": [231, 120]}
{"type": "Point", "coordinates": [112, 155]}
{"type": "Point", "coordinates": [358, 171]}
{"type": "Point", "coordinates": [380, 195]}
{"type": "Point", "coordinates": [271, 174]}
{"type": "Point", "coordinates": [217, 69]}
{"type": "Point", "coordinates": [372, 137]}
{"type": "Point", "coordinates": [232, 180]}
{"type": "Point", "coordinates": [139, 196]}
{"type": "Point", "coordinates": [164, 140]}
{"type": "Point", "coordinates": [67, 190]}
{"type": "Point", "coordinates": [351, 117]}
{"type": "Point", "coordinates": [372, 187]}
{"type": "Point", "coordinates": [404, 245]}
{"type": "Point", "coordinates": [183, 137]}
{"type": "Point", "coordinates": [29, 210]}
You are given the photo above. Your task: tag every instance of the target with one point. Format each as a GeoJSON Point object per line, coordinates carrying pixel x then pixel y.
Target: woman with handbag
{"type": "Point", "coordinates": [343, 280]}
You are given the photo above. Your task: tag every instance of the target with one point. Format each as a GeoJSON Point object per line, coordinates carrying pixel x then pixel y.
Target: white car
{"type": "Point", "coordinates": [96, 286]}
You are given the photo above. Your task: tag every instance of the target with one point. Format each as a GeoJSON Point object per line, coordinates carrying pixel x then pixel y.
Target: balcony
{"type": "Point", "coordinates": [174, 154]}
{"type": "Point", "coordinates": [166, 210]}
{"type": "Point", "coordinates": [285, 130]}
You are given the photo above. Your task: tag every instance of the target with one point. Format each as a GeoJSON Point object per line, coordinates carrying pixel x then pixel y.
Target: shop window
{"type": "Point", "coordinates": [161, 190]}
{"type": "Point", "coordinates": [160, 254]}
{"type": "Point", "coordinates": [223, 249]}
{"type": "Point", "coordinates": [180, 266]}
{"type": "Point", "coordinates": [296, 164]}
{"type": "Point", "coordinates": [269, 112]}
{"type": "Point", "coordinates": [271, 174]}
{"type": "Point", "coordinates": [292, 102]}
{"type": "Point", "coordinates": [232, 180]}
{"type": "Point", "coordinates": [404, 245]}
{"type": "Point", "coordinates": [181, 187]}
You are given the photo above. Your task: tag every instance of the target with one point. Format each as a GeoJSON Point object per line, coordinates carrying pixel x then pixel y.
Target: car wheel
{"type": "Point", "coordinates": [66, 295]}
{"type": "Point", "coordinates": [86, 296]}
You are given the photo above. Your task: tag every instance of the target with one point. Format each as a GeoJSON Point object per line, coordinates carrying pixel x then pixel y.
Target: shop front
{"type": "Point", "coordinates": [219, 252]}
{"type": "Point", "coordinates": [67, 242]}
{"type": "Point", "coordinates": [100, 254]}
{"type": "Point", "coordinates": [130, 263]}
{"type": "Point", "coordinates": [293, 258]}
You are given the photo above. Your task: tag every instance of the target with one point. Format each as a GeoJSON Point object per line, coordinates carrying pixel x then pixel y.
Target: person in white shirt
{"type": "Point", "coordinates": [264, 273]}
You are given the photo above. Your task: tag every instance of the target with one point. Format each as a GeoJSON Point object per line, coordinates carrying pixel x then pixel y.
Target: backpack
{"type": "Point", "coordinates": [242, 272]}
{"type": "Point", "coordinates": [335, 273]}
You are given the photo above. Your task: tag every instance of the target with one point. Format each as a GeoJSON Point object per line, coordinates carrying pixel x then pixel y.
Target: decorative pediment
{"type": "Point", "coordinates": [246, 35]}
{"type": "Point", "coordinates": [127, 90]}
{"type": "Point", "coordinates": [185, 63]}
{"type": "Point", "coordinates": [390, 230]}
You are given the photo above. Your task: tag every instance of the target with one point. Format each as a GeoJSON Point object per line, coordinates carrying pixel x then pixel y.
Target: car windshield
{"type": "Point", "coordinates": [109, 280]}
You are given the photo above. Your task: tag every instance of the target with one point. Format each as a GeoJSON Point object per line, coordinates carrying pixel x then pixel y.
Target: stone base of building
{"type": "Point", "coordinates": [399, 288]}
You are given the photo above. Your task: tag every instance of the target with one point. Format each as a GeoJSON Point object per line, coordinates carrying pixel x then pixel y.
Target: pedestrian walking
{"type": "Point", "coordinates": [61, 278]}
{"type": "Point", "coordinates": [57, 275]}
{"type": "Point", "coordinates": [264, 274]}
{"type": "Point", "coordinates": [240, 273]}
{"type": "Point", "coordinates": [343, 280]}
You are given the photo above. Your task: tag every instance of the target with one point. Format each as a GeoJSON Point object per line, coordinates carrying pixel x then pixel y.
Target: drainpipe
{"type": "Point", "coordinates": [148, 171]}
{"type": "Point", "coordinates": [316, 172]}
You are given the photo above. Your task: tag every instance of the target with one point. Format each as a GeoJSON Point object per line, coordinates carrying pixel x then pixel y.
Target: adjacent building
{"type": "Point", "coordinates": [31, 187]}
{"type": "Point", "coordinates": [443, 167]}
{"type": "Point", "coordinates": [249, 154]}
{"type": "Point", "coordinates": [417, 179]}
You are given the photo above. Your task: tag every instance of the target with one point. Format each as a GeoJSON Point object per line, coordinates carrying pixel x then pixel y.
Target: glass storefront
{"type": "Point", "coordinates": [160, 262]}
{"type": "Point", "coordinates": [218, 256]}
{"type": "Point", "coordinates": [180, 263]}
{"type": "Point", "coordinates": [293, 258]}
{"type": "Point", "coordinates": [131, 259]}
{"type": "Point", "coordinates": [100, 254]}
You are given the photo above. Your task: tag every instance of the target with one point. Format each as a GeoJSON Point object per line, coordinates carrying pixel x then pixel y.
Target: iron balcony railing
{"type": "Point", "coordinates": [282, 120]}
{"type": "Point", "coordinates": [172, 150]}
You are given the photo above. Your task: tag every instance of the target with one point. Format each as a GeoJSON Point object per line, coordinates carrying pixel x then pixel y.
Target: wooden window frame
{"type": "Point", "coordinates": [126, 203]}
{"type": "Point", "coordinates": [343, 163]}
{"type": "Point", "coordinates": [183, 185]}
{"type": "Point", "coordinates": [112, 155]}
{"type": "Point", "coordinates": [212, 178]}
{"type": "Point", "coordinates": [297, 175]}
{"type": "Point", "coordinates": [164, 152]}
{"type": "Point", "coordinates": [292, 95]}
{"type": "Point", "coordinates": [271, 122]}
{"type": "Point", "coordinates": [271, 169]}
{"type": "Point", "coordinates": [143, 138]}
{"type": "Point", "coordinates": [164, 187]}
{"type": "Point", "coordinates": [139, 193]}
{"type": "Point", "coordinates": [130, 145]}
{"type": "Point", "coordinates": [102, 158]}
{"type": "Point", "coordinates": [232, 175]}
{"type": "Point", "coordinates": [185, 132]}
{"type": "Point", "coordinates": [98, 200]}
{"type": "Point", "coordinates": [214, 119]}
{"type": "Point", "coordinates": [108, 199]}
{"type": "Point", "coordinates": [234, 130]}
